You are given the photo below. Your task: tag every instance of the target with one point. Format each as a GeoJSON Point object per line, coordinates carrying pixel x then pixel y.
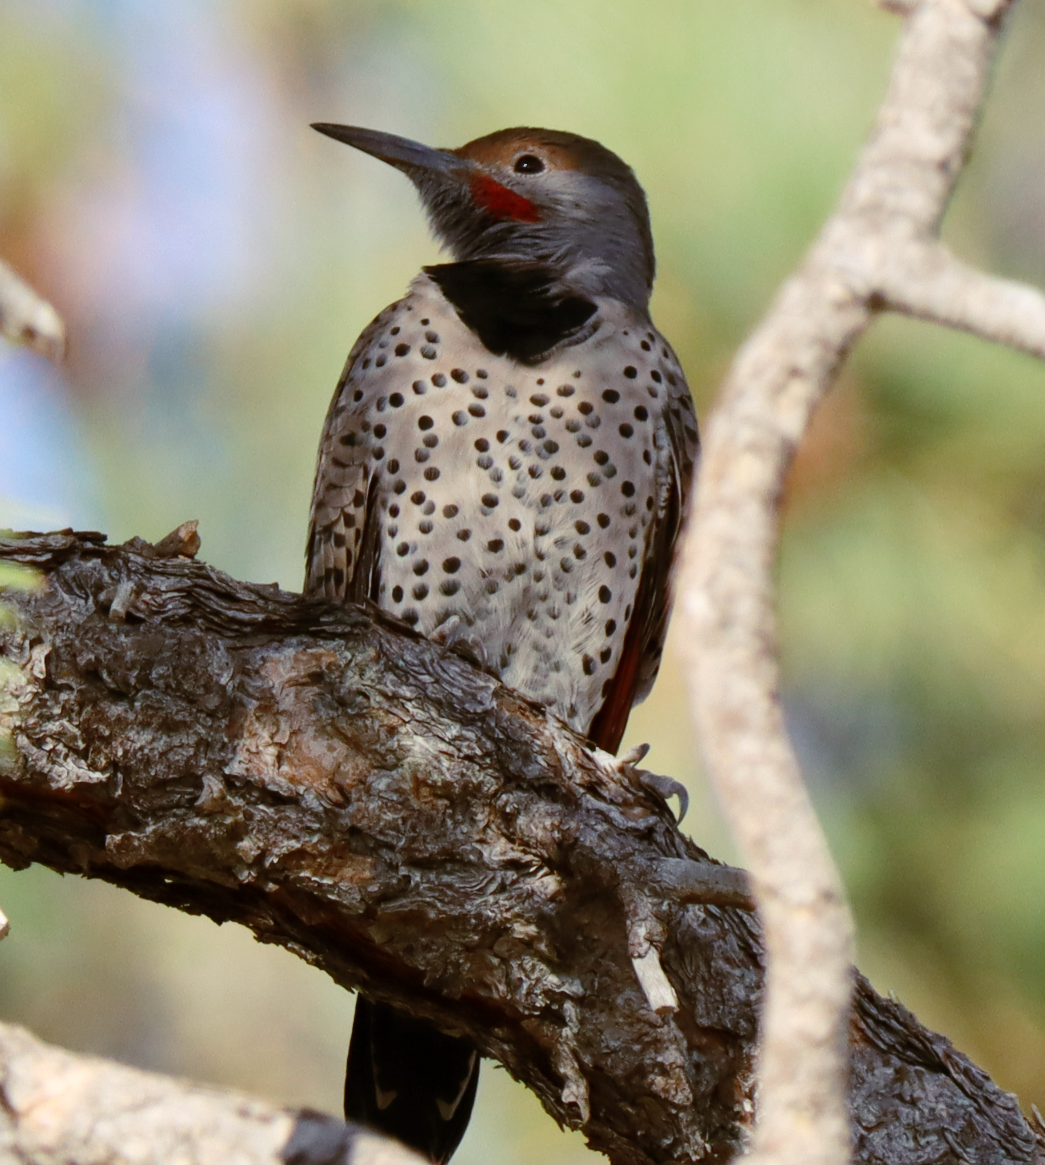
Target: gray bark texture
{"type": "Point", "coordinates": [397, 817]}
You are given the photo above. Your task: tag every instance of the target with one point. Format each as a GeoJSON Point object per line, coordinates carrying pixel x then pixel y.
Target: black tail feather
{"type": "Point", "coordinates": [409, 1080]}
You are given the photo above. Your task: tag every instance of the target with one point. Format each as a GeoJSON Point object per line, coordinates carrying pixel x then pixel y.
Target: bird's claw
{"type": "Point", "coordinates": [632, 757]}
{"type": "Point", "coordinates": [666, 787]}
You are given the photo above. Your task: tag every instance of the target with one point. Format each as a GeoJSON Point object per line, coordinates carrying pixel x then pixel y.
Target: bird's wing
{"type": "Point", "coordinates": [677, 448]}
{"type": "Point", "coordinates": [341, 557]}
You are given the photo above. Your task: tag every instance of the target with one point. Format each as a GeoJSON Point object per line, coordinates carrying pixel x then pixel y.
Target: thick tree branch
{"type": "Point", "coordinates": [63, 1109]}
{"type": "Point", "coordinates": [879, 249]}
{"type": "Point", "coordinates": [392, 814]}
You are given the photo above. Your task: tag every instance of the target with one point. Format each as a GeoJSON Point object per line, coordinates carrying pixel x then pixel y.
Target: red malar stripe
{"type": "Point", "coordinates": [501, 202]}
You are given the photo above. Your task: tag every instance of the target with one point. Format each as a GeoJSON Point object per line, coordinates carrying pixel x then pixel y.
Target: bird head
{"type": "Point", "coordinates": [534, 194]}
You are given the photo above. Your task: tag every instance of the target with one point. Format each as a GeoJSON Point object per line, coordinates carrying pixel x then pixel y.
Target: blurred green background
{"type": "Point", "coordinates": [215, 259]}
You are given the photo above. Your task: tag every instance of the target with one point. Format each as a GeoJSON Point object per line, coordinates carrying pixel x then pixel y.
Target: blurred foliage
{"type": "Point", "coordinates": [214, 260]}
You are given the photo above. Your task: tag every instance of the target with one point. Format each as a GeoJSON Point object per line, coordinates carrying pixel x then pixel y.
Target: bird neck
{"type": "Point", "coordinates": [517, 307]}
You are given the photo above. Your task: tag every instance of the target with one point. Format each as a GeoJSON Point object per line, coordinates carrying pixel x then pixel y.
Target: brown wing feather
{"type": "Point", "coordinates": [341, 557]}
{"type": "Point", "coordinates": [644, 641]}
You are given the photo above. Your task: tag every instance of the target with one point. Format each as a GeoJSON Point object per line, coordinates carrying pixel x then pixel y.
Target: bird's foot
{"type": "Point", "coordinates": [664, 787]}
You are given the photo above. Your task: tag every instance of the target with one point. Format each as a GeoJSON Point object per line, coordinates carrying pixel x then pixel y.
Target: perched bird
{"type": "Point", "coordinates": [505, 467]}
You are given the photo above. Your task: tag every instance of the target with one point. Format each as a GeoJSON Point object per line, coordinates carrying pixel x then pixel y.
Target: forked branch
{"type": "Point", "coordinates": [879, 250]}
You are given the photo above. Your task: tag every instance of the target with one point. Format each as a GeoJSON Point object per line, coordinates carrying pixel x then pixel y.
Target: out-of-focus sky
{"type": "Point", "coordinates": [214, 260]}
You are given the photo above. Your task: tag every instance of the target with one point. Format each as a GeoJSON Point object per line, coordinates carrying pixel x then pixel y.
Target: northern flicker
{"type": "Point", "coordinates": [505, 467]}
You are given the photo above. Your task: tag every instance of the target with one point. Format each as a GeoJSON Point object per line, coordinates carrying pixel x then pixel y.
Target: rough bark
{"type": "Point", "coordinates": [392, 814]}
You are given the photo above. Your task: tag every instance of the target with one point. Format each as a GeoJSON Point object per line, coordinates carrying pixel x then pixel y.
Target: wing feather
{"type": "Point", "coordinates": [341, 557]}
{"type": "Point", "coordinates": [677, 447]}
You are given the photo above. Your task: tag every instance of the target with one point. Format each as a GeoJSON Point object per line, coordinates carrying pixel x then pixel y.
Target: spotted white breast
{"type": "Point", "coordinates": [510, 509]}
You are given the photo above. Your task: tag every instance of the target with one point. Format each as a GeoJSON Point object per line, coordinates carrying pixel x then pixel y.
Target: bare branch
{"type": "Point", "coordinates": [878, 249]}
{"type": "Point", "coordinates": [926, 281]}
{"type": "Point", "coordinates": [400, 819]}
{"type": "Point", "coordinates": [27, 318]}
{"type": "Point", "coordinates": [57, 1108]}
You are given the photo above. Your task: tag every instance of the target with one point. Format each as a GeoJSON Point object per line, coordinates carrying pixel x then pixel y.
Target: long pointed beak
{"type": "Point", "coordinates": [400, 152]}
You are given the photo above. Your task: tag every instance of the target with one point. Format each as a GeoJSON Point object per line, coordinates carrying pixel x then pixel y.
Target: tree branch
{"type": "Point", "coordinates": [397, 817]}
{"type": "Point", "coordinates": [927, 281]}
{"type": "Point", "coordinates": [63, 1109]}
{"type": "Point", "coordinates": [879, 249]}
{"type": "Point", "coordinates": [27, 318]}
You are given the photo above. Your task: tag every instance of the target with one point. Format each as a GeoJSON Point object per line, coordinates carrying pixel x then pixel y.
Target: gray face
{"type": "Point", "coordinates": [588, 229]}
{"type": "Point", "coordinates": [531, 194]}
{"type": "Point", "coordinates": [590, 222]}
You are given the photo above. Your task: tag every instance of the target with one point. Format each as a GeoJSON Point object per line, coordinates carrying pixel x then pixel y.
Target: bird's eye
{"type": "Point", "coordinates": [528, 164]}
